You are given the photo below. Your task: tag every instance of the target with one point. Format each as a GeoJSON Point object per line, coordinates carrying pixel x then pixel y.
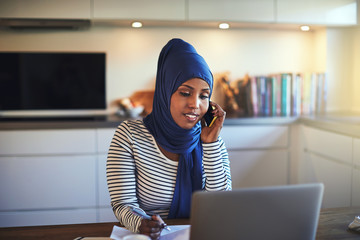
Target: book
{"type": "Point", "coordinates": [286, 79]}
{"type": "Point", "coordinates": [282, 94]}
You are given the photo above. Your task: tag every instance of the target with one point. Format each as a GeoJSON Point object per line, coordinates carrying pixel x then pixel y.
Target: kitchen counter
{"type": "Point", "coordinates": [112, 121]}
{"type": "Point", "coordinates": [31, 123]}
{"type": "Point", "coordinates": [343, 123]}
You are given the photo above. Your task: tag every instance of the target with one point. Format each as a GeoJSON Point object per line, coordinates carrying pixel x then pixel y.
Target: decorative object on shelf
{"type": "Point", "coordinates": [138, 104]}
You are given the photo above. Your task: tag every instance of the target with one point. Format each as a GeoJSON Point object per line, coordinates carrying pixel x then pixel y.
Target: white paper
{"type": "Point", "coordinates": [177, 232]}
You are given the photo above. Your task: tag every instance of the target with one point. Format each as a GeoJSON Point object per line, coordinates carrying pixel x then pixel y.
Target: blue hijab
{"type": "Point", "coordinates": [178, 62]}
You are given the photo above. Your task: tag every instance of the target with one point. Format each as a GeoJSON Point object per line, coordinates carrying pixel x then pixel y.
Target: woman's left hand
{"type": "Point", "coordinates": [211, 134]}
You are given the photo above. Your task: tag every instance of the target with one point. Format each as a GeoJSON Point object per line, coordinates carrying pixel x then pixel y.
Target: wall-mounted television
{"type": "Point", "coordinates": [52, 82]}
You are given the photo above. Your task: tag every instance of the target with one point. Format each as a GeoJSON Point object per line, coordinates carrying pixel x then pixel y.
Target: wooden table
{"type": "Point", "coordinates": [332, 225]}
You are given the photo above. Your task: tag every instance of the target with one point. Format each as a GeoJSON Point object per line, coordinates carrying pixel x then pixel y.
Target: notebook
{"type": "Point", "coordinates": [277, 212]}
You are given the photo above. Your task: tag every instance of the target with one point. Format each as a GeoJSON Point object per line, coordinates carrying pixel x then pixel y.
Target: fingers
{"type": "Point", "coordinates": [211, 134]}
{"type": "Point", "coordinates": [152, 227]}
{"type": "Point", "coordinates": [218, 111]}
{"type": "Point", "coordinates": [159, 219]}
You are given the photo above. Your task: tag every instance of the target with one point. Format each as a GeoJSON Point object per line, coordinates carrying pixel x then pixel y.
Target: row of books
{"type": "Point", "coordinates": [285, 94]}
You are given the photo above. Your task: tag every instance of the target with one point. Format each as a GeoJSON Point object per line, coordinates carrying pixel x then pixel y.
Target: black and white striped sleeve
{"type": "Point", "coordinates": [121, 179]}
{"type": "Point", "coordinates": [216, 166]}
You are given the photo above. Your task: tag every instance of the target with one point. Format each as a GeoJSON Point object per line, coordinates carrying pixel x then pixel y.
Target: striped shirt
{"type": "Point", "coordinates": [140, 175]}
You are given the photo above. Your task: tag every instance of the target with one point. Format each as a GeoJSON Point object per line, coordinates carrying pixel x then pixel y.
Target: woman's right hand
{"type": "Point", "coordinates": [153, 227]}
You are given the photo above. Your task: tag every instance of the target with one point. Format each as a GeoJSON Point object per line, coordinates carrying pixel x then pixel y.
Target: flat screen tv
{"type": "Point", "coordinates": [52, 82]}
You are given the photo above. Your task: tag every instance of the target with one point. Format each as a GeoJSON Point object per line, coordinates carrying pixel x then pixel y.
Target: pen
{"type": "Point", "coordinates": [145, 216]}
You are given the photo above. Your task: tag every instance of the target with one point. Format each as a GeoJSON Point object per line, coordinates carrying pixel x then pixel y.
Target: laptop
{"type": "Point", "coordinates": [288, 212]}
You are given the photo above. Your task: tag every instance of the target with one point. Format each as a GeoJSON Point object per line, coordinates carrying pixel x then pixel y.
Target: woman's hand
{"type": "Point", "coordinates": [153, 227]}
{"type": "Point", "coordinates": [211, 134]}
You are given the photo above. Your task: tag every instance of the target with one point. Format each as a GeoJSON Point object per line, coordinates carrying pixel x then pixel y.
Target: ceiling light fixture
{"type": "Point", "coordinates": [305, 28]}
{"type": "Point", "coordinates": [224, 26]}
{"type": "Point", "coordinates": [136, 24]}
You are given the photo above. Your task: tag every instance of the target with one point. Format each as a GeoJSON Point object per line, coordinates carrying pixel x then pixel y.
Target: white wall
{"type": "Point", "coordinates": [343, 61]}
{"type": "Point", "coordinates": [132, 53]}
{"type": "Point", "coordinates": [356, 69]}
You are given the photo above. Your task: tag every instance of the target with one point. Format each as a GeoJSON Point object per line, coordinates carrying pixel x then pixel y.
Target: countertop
{"type": "Point", "coordinates": [347, 123]}
{"type": "Point", "coordinates": [112, 121]}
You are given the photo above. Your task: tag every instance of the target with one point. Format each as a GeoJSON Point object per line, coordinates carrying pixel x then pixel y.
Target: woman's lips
{"type": "Point", "coordinates": [191, 116]}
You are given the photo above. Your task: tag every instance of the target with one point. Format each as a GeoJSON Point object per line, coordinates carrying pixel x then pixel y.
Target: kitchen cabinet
{"type": "Point", "coordinates": [54, 177]}
{"type": "Point", "coordinates": [42, 190]}
{"type": "Point", "coordinates": [104, 137]}
{"type": "Point", "coordinates": [47, 177]}
{"type": "Point", "coordinates": [327, 158]}
{"type": "Point", "coordinates": [324, 12]}
{"type": "Point", "coordinates": [139, 10]}
{"type": "Point", "coordinates": [335, 176]}
{"type": "Point", "coordinates": [49, 9]}
{"type": "Point", "coordinates": [356, 173]}
{"type": "Point", "coordinates": [232, 10]}
{"type": "Point", "coordinates": [259, 155]}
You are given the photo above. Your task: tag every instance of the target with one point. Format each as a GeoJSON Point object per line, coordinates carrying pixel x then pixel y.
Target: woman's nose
{"type": "Point", "coordinates": [193, 102]}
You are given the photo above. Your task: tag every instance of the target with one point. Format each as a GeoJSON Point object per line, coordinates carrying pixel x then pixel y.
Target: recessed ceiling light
{"type": "Point", "coordinates": [224, 26]}
{"type": "Point", "coordinates": [136, 24]}
{"type": "Point", "coordinates": [305, 28]}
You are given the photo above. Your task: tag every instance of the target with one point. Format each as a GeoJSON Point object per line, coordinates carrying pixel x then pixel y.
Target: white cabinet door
{"type": "Point", "coordinates": [336, 177]}
{"type": "Point", "coordinates": [356, 173]}
{"type": "Point", "coordinates": [47, 182]}
{"type": "Point", "coordinates": [104, 196]}
{"type": "Point", "coordinates": [50, 9]}
{"type": "Point", "coordinates": [330, 145]}
{"type": "Point", "coordinates": [328, 12]}
{"type": "Point", "coordinates": [106, 213]}
{"type": "Point", "coordinates": [232, 10]}
{"type": "Point", "coordinates": [47, 217]}
{"type": "Point", "coordinates": [255, 137]}
{"type": "Point", "coordinates": [258, 168]}
{"type": "Point", "coordinates": [41, 142]}
{"type": "Point", "coordinates": [328, 158]}
{"type": "Point", "coordinates": [140, 9]}
{"type": "Point", "coordinates": [356, 153]}
{"type": "Point", "coordinates": [356, 186]}
{"type": "Point", "coordinates": [104, 137]}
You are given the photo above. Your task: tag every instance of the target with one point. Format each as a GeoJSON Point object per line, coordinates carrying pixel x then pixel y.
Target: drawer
{"type": "Point", "coordinates": [104, 137]}
{"type": "Point", "coordinates": [356, 187]}
{"type": "Point", "coordinates": [258, 168]}
{"type": "Point", "coordinates": [255, 137]}
{"type": "Point", "coordinates": [356, 151]}
{"type": "Point", "coordinates": [335, 176]}
{"type": "Point", "coordinates": [47, 142]}
{"type": "Point", "coordinates": [104, 195]}
{"type": "Point", "coordinates": [48, 182]}
{"type": "Point", "coordinates": [332, 145]}
{"type": "Point", "coordinates": [47, 217]}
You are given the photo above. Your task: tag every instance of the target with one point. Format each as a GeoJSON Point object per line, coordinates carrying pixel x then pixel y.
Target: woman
{"type": "Point", "coordinates": [156, 163]}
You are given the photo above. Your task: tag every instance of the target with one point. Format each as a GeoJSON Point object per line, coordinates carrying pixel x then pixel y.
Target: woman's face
{"type": "Point", "coordinates": [190, 102]}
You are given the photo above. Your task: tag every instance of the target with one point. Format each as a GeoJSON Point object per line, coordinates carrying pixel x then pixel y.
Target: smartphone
{"type": "Point", "coordinates": [209, 117]}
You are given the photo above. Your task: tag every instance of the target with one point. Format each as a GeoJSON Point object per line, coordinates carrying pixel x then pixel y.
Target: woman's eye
{"type": "Point", "coordinates": [185, 94]}
{"type": "Point", "coordinates": [204, 96]}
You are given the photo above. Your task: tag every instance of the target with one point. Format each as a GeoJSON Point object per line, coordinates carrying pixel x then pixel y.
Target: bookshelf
{"type": "Point", "coordinates": [276, 95]}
